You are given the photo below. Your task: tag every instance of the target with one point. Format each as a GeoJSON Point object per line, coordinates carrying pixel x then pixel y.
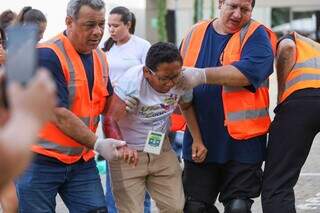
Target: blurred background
{"type": "Point", "coordinates": [168, 20]}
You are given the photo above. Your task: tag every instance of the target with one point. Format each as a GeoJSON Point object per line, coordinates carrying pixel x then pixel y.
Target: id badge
{"type": "Point", "coordinates": [154, 142]}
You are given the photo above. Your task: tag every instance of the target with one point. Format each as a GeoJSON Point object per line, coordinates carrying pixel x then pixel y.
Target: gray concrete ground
{"type": "Point", "coordinates": [307, 189]}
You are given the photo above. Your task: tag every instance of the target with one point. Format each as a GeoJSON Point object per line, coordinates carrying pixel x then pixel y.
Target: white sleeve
{"type": "Point", "coordinates": [187, 96]}
{"type": "Point", "coordinates": [127, 85]}
{"type": "Point", "coordinates": [124, 88]}
{"type": "Point", "coordinates": [145, 50]}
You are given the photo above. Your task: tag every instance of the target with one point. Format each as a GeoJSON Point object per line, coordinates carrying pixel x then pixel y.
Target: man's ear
{"type": "Point", "coordinates": [220, 3]}
{"type": "Point", "coordinates": [145, 72]}
{"type": "Point", "coordinates": [68, 21]}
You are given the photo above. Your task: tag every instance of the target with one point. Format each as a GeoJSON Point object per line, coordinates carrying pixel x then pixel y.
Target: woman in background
{"type": "Point", "coordinates": [124, 50]}
{"type": "Point", "coordinates": [28, 15]}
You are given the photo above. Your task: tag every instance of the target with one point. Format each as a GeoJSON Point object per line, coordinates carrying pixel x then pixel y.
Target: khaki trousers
{"type": "Point", "coordinates": [160, 175]}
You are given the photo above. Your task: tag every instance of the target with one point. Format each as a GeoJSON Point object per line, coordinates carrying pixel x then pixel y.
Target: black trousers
{"type": "Point", "coordinates": [296, 123]}
{"type": "Point", "coordinates": [204, 182]}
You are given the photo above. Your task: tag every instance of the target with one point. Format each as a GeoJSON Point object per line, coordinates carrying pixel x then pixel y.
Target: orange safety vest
{"type": "Point", "coordinates": [246, 113]}
{"type": "Point", "coordinates": [306, 71]}
{"type": "Point", "coordinates": [178, 123]}
{"type": "Point", "coordinates": [53, 142]}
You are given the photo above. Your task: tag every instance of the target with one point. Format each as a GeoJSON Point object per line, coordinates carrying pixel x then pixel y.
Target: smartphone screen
{"type": "Point", "coordinates": [21, 53]}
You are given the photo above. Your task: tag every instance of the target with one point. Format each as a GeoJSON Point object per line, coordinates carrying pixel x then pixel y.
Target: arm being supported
{"type": "Point", "coordinates": [114, 111]}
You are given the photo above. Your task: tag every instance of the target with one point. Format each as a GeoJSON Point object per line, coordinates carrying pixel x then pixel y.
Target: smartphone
{"type": "Point", "coordinates": [21, 59]}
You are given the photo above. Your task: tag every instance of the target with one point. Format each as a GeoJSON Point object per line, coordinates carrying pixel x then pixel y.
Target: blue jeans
{"type": "Point", "coordinates": [110, 200]}
{"type": "Point", "coordinates": [176, 139]}
{"type": "Point", "coordinates": [78, 185]}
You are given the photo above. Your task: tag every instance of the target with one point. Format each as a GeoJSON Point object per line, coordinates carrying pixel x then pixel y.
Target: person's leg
{"type": "Point", "coordinates": [291, 135]}
{"type": "Point", "coordinates": [128, 184]}
{"type": "Point", "coordinates": [201, 184]}
{"type": "Point", "coordinates": [38, 186]}
{"type": "Point", "coordinates": [147, 203]}
{"type": "Point", "coordinates": [111, 206]}
{"type": "Point", "coordinates": [241, 182]}
{"type": "Point", "coordinates": [164, 182]}
{"type": "Point", "coordinates": [82, 191]}
{"type": "Point", "coordinates": [176, 142]}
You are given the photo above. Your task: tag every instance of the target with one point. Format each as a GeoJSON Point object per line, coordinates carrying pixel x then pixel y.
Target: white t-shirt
{"type": "Point", "coordinates": [123, 57]}
{"type": "Point", "coordinates": [154, 108]}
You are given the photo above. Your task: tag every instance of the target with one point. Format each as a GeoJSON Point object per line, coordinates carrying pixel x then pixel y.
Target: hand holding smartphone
{"type": "Point", "coordinates": [21, 59]}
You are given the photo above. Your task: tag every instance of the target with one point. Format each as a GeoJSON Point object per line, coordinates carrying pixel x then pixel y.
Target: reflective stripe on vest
{"type": "Point", "coordinates": [301, 78]}
{"type": "Point", "coordinates": [53, 142]}
{"type": "Point", "coordinates": [310, 63]}
{"type": "Point", "coordinates": [86, 120]}
{"type": "Point", "coordinates": [313, 63]}
{"type": "Point", "coordinates": [243, 120]}
{"type": "Point", "coordinates": [72, 80]}
{"type": "Point", "coordinates": [102, 59]}
{"type": "Point", "coordinates": [61, 149]}
{"type": "Point", "coordinates": [306, 72]}
{"type": "Point", "coordinates": [247, 114]}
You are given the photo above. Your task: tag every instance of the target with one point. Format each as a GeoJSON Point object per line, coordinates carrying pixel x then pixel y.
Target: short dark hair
{"type": "Point", "coordinates": [162, 52]}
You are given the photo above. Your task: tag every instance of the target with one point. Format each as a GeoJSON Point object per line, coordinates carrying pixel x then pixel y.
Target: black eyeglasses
{"type": "Point", "coordinates": [166, 80]}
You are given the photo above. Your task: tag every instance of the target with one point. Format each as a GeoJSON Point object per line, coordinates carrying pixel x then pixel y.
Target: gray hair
{"type": "Point", "coordinates": [74, 6]}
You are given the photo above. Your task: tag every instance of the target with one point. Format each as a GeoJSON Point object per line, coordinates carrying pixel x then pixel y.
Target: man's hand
{"type": "Point", "coordinates": [108, 148]}
{"type": "Point", "coordinates": [130, 156]}
{"type": "Point", "coordinates": [33, 105]}
{"type": "Point", "coordinates": [199, 152]}
{"type": "Point", "coordinates": [131, 104]}
{"type": "Point", "coordinates": [191, 77]}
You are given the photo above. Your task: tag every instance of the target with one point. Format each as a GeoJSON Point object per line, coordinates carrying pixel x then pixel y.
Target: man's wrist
{"type": "Point", "coordinates": [205, 75]}
{"type": "Point", "coordinates": [96, 143]}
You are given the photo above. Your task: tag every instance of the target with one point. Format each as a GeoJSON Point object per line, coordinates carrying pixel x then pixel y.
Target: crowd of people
{"type": "Point", "coordinates": [218, 81]}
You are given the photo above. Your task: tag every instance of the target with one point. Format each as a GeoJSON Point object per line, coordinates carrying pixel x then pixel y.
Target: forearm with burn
{"type": "Point", "coordinates": [111, 128]}
{"type": "Point", "coordinates": [73, 127]}
{"type": "Point", "coordinates": [227, 75]}
{"type": "Point", "coordinates": [285, 60]}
